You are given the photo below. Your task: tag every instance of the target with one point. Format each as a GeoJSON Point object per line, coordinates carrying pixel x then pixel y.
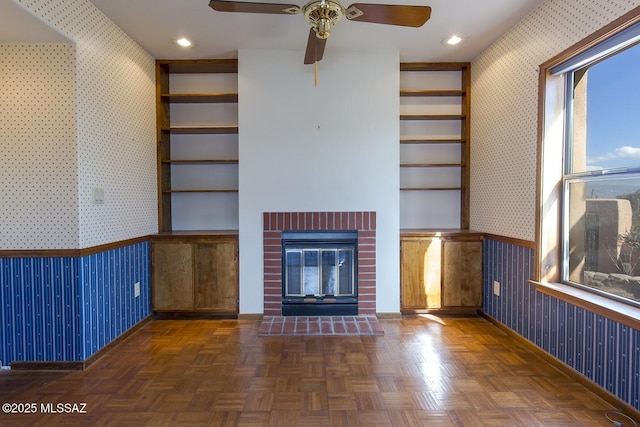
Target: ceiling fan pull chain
{"type": "Point", "coordinates": [315, 73]}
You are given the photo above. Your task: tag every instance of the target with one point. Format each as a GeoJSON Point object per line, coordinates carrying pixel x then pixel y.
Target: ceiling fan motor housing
{"type": "Point", "coordinates": [322, 15]}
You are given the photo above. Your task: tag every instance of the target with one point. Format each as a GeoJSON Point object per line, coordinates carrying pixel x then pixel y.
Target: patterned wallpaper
{"type": "Point", "coordinates": [505, 109]}
{"type": "Point", "coordinates": [115, 126]}
{"type": "Point", "coordinates": [38, 168]}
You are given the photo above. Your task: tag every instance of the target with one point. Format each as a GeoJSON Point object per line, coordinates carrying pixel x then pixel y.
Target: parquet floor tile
{"type": "Point", "coordinates": [423, 371]}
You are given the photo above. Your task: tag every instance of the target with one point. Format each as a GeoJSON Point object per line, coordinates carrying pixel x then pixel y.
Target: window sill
{"type": "Point", "coordinates": [611, 309]}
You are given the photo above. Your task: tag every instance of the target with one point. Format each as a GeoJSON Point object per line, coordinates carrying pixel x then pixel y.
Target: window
{"type": "Point", "coordinates": [592, 110]}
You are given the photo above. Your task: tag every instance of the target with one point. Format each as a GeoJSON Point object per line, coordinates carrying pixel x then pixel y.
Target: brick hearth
{"type": "Point", "coordinates": [320, 325]}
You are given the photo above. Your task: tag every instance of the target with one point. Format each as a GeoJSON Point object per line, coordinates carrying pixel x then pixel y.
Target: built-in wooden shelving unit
{"type": "Point", "coordinates": [434, 144]}
{"type": "Point", "coordinates": [197, 144]}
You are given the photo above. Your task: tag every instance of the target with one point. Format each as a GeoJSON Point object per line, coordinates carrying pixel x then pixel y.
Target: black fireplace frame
{"type": "Point", "coordinates": [314, 305]}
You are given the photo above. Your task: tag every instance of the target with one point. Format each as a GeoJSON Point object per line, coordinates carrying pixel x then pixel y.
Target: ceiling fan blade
{"type": "Point", "coordinates": [250, 7]}
{"type": "Point", "coordinates": [406, 16]}
{"type": "Point", "coordinates": [315, 48]}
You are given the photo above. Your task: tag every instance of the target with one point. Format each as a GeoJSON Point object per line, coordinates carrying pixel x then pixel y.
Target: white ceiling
{"type": "Point", "coordinates": [155, 24]}
{"type": "Point", "coordinates": [17, 25]}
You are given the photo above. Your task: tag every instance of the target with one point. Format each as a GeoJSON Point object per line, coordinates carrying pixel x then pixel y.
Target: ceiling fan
{"type": "Point", "coordinates": [323, 14]}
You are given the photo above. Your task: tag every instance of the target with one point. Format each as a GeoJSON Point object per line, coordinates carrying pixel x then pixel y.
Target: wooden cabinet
{"type": "Point", "coordinates": [195, 273]}
{"type": "Point", "coordinates": [216, 275]}
{"type": "Point", "coordinates": [461, 274]}
{"type": "Point", "coordinates": [434, 145]}
{"type": "Point", "coordinates": [421, 270]}
{"type": "Point", "coordinates": [441, 272]}
{"type": "Point", "coordinates": [172, 266]}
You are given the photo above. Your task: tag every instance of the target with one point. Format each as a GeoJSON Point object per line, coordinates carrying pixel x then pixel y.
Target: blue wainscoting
{"type": "Point", "coordinates": [65, 309]}
{"type": "Point", "coordinates": [39, 311]}
{"type": "Point", "coordinates": [106, 285]}
{"type": "Point", "coordinates": [603, 350]}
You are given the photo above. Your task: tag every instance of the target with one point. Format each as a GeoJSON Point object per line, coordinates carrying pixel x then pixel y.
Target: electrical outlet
{"type": "Point", "coordinates": [496, 288]}
{"type": "Point", "coordinates": [136, 289]}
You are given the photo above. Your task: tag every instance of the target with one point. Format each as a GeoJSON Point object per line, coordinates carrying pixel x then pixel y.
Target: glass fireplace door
{"type": "Point", "coordinates": [319, 272]}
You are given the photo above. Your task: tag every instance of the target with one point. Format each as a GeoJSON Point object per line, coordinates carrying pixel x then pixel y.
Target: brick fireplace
{"type": "Point", "coordinates": [274, 223]}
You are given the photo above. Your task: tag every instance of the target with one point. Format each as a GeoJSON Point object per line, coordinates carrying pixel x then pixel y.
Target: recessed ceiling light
{"type": "Point", "coordinates": [184, 42]}
{"type": "Point", "coordinates": [454, 40]}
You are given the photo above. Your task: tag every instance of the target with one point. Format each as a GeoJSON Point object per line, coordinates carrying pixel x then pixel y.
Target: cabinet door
{"type": "Point", "coordinates": [462, 274]}
{"type": "Point", "coordinates": [172, 266]}
{"type": "Point", "coordinates": [216, 282]}
{"type": "Point", "coordinates": [420, 281]}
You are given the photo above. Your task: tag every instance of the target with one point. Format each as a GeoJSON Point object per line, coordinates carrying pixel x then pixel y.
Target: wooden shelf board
{"type": "Point", "coordinates": [431, 165]}
{"type": "Point", "coordinates": [201, 191]}
{"type": "Point", "coordinates": [430, 188]}
{"type": "Point", "coordinates": [203, 161]}
{"type": "Point", "coordinates": [412, 93]}
{"type": "Point", "coordinates": [195, 234]}
{"type": "Point", "coordinates": [185, 130]}
{"type": "Point", "coordinates": [190, 66]}
{"type": "Point", "coordinates": [200, 98]}
{"type": "Point", "coordinates": [432, 141]}
{"type": "Point", "coordinates": [433, 66]}
{"type": "Point", "coordinates": [432, 116]}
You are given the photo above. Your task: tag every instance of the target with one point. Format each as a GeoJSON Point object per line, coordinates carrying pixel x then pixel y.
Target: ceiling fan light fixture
{"type": "Point", "coordinates": [323, 28]}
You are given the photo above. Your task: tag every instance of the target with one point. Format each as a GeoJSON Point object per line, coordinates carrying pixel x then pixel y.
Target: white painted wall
{"type": "Point", "coordinates": [333, 147]}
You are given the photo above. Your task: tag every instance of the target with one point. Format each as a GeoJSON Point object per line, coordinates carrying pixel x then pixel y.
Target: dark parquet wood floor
{"type": "Point", "coordinates": [422, 372]}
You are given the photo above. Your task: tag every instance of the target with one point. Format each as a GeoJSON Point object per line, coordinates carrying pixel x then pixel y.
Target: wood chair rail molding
{"type": "Point", "coordinates": [52, 253]}
{"type": "Point", "coordinates": [71, 253]}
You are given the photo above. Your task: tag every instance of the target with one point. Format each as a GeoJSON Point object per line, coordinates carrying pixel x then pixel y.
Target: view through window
{"type": "Point", "coordinates": [601, 202]}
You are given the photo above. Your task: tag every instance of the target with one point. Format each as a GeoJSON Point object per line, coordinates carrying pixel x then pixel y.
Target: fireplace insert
{"type": "Point", "coordinates": [319, 273]}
